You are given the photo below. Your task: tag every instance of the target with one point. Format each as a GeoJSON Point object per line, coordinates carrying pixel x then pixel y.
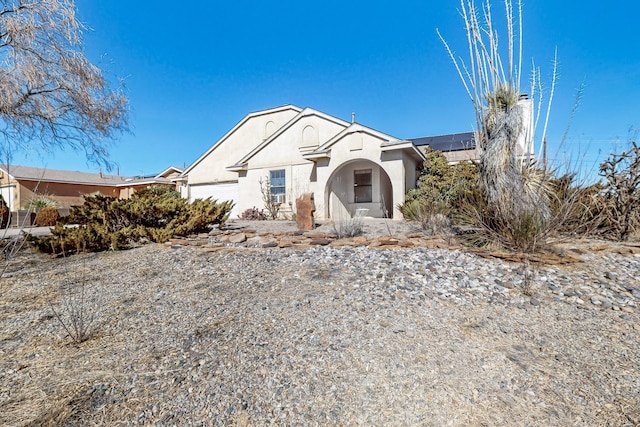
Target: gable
{"type": "Point", "coordinates": [249, 133]}
{"type": "Point", "coordinates": [302, 134]}
{"type": "Point", "coordinates": [359, 141]}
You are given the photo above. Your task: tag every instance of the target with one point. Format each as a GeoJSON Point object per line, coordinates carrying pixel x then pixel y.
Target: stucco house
{"type": "Point", "coordinates": [347, 166]}
{"type": "Point", "coordinates": [20, 184]}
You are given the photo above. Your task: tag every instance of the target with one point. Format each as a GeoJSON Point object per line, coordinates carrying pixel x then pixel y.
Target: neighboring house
{"type": "Point", "coordinates": [347, 166]}
{"type": "Point", "coordinates": [20, 184]}
{"type": "Point", "coordinates": [132, 184]}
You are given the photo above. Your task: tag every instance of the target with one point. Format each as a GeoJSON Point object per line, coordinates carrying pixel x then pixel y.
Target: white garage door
{"type": "Point", "coordinates": [219, 192]}
{"type": "Point", "coordinates": [7, 195]}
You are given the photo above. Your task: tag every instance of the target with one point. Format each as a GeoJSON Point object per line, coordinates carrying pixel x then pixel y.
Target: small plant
{"type": "Point", "coordinates": [41, 201]}
{"type": "Point", "coordinates": [528, 278]}
{"type": "Point", "coordinates": [253, 214]}
{"type": "Point", "coordinates": [47, 217]}
{"type": "Point", "coordinates": [76, 311]}
{"type": "Point", "coordinates": [427, 215]}
{"type": "Point", "coordinates": [271, 204]}
{"type": "Point", "coordinates": [492, 225]}
{"type": "Point", "coordinates": [350, 227]}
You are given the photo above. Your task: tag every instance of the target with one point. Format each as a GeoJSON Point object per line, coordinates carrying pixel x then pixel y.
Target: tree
{"type": "Point", "coordinates": [51, 95]}
{"type": "Point", "coordinates": [514, 188]}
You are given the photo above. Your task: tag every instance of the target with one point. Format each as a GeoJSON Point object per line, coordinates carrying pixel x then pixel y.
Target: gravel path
{"type": "Point", "coordinates": [326, 336]}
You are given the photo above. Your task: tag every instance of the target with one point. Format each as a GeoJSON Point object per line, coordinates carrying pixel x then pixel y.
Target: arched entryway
{"type": "Point", "coordinates": [359, 184]}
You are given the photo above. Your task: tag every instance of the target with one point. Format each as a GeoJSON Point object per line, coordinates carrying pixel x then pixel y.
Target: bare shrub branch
{"type": "Point", "coordinates": [270, 203]}
{"type": "Point", "coordinates": [622, 192]}
{"type": "Point", "coordinates": [76, 310]}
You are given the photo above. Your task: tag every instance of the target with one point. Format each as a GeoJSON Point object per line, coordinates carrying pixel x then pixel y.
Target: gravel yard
{"type": "Point", "coordinates": [322, 336]}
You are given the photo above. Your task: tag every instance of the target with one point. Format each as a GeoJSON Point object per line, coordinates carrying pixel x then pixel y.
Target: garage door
{"type": "Point", "coordinates": [219, 192]}
{"type": "Point", "coordinates": [7, 195]}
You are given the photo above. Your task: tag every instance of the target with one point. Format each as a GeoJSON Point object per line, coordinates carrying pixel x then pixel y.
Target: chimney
{"type": "Point", "coordinates": [353, 117]}
{"type": "Point", "coordinates": [100, 171]}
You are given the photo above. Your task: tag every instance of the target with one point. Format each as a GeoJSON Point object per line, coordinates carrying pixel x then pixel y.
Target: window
{"type": "Point", "coordinates": [362, 185]}
{"type": "Point", "coordinates": [278, 188]}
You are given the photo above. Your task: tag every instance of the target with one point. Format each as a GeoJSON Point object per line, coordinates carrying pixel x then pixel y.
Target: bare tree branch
{"type": "Point", "coordinates": [51, 95]}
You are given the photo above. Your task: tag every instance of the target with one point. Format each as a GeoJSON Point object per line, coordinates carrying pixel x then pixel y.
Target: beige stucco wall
{"type": "Point", "coordinates": [286, 152]}
{"type": "Point", "coordinates": [366, 148]}
{"type": "Point", "coordinates": [340, 192]}
{"type": "Point", "coordinates": [290, 145]}
{"type": "Point", "coordinates": [297, 182]}
{"type": "Point", "coordinates": [212, 168]}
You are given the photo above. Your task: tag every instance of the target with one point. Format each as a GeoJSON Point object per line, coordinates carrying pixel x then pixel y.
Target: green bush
{"type": "Point", "coordinates": [47, 217]}
{"type": "Point", "coordinates": [442, 190]}
{"type": "Point", "coordinates": [154, 214]}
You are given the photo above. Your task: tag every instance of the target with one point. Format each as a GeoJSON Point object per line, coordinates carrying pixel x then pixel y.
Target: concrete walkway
{"type": "Point", "coordinates": [9, 233]}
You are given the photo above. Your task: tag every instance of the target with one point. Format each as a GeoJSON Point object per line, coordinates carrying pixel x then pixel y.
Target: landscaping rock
{"type": "Point", "coordinates": [305, 208]}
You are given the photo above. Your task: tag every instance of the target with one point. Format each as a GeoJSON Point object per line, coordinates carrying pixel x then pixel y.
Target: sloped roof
{"type": "Point", "coordinates": [145, 181]}
{"type": "Point", "coordinates": [238, 125]}
{"type": "Point", "coordinates": [389, 142]}
{"type": "Point", "coordinates": [449, 142]}
{"type": "Point", "coordinates": [29, 173]}
{"type": "Point", "coordinates": [169, 170]}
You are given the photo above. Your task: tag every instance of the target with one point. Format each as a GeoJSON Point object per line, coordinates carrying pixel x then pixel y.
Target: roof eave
{"type": "Point", "coordinates": [404, 145]}
{"type": "Point", "coordinates": [238, 168]}
{"type": "Point", "coordinates": [317, 155]}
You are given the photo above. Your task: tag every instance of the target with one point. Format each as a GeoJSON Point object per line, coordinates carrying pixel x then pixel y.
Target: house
{"type": "Point", "coordinates": [347, 166]}
{"type": "Point", "coordinates": [20, 184]}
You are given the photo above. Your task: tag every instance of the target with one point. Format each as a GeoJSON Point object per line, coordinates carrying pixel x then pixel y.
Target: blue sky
{"type": "Point", "coordinates": [193, 70]}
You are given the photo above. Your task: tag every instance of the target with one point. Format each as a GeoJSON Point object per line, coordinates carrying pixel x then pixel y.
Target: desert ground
{"type": "Point", "coordinates": [239, 328]}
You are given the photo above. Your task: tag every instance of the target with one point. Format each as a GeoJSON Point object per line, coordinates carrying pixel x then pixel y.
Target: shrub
{"type": "Point", "coordinates": [155, 214]}
{"type": "Point", "coordinates": [270, 203]}
{"type": "Point", "coordinates": [350, 227]}
{"type": "Point", "coordinates": [577, 209]}
{"type": "Point", "coordinates": [621, 193]}
{"type": "Point", "coordinates": [200, 215]}
{"type": "Point", "coordinates": [41, 201]}
{"type": "Point", "coordinates": [442, 190]}
{"type": "Point", "coordinates": [47, 217]}
{"type": "Point", "coordinates": [253, 214]}
{"type": "Point", "coordinates": [76, 310]}
{"type": "Point", "coordinates": [491, 225]}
